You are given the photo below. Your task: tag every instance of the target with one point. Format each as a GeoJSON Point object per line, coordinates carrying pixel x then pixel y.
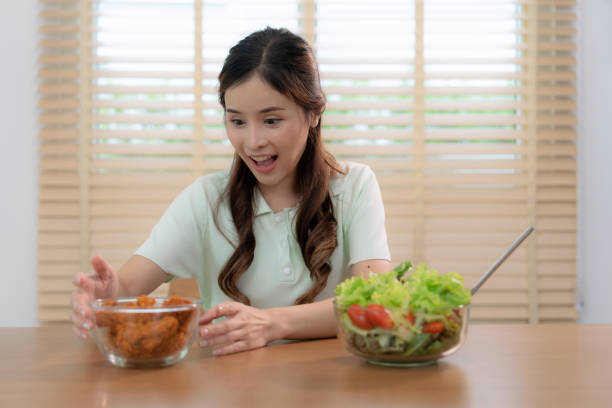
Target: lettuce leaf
{"type": "Point", "coordinates": [437, 293]}
{"type": "Point", "coordinates": [423, 290]}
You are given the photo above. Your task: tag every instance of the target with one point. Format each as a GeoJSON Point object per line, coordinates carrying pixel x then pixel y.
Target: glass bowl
{"type": "Point", "coordinates": [403, 345]}
{"type": "Point", "coordinates": [145, 332]}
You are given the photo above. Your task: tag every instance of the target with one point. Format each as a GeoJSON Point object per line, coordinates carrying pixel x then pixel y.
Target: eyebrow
{"type": "Point", "coordinates": [264, 110]}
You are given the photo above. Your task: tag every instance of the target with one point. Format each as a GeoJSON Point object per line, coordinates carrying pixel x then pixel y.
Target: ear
{"type": "Point", "coordinates": [313, 119]}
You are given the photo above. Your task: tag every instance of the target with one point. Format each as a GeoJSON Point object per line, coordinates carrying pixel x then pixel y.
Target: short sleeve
{"type": "Point", "coordinates": [365, 227]}
{"type": "Point", "coordinates": [175, 243]}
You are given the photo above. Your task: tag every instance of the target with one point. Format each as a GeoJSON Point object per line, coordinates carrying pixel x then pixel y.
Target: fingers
{"type": "Point", "coordinates": [82, 334]}
{"type": "Point", "coordinates": [76, 279]}
{"type": "Point", "coordinates": [80, 299]}
{"type": "Point", "coordinates": [229, 330]}
{"type": "Point", "coordinates": [80, 327]}
{"type": "Point", "coordinates": [79, 280]}
{"type": "Point", "coordinates": [226, 309]}
{"type": "Point", "coordinates": [81, 315]}
{"type": "Point", "coordinates": [102, 268]}
{"type": "Point", "coordinates": [232, 341]}
{"type": "Point", "coordinates": [220, 328]}
{"type": "Point", "coordinates": [229, 337]}
{"type": "Point", "coordinates": [85, 292]}
{"type": "Point", "coordinates": [244, 328]}
{"type": "Point", "coordinates": [85, 283]}
{"type": "Point", "coordinates": [233, 348]}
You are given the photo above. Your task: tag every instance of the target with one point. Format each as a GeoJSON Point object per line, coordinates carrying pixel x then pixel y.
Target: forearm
{"type": "Point", "coordinates": [316, 320]}
{"type": "Point", "coordinates": [139, 276]}
{"type": "Point", "coordinates": [122, 288]}
{"type": "Point", "coordinates": [309, 321]}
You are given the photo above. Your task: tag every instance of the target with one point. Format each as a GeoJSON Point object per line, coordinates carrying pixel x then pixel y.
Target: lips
{"type": "Point", "coordinates": [264, 163]}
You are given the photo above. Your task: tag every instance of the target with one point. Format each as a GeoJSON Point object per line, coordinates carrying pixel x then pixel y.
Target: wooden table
{"type": "Point", "coordinates": [499, 366]}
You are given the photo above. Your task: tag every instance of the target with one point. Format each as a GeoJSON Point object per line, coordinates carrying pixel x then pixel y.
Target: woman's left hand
{"type": "Point", "coordinates": [244, 328]}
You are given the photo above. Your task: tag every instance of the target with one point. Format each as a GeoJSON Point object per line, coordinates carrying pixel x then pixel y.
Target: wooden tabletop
{"type": "Point", "coordinates": [499, 366]}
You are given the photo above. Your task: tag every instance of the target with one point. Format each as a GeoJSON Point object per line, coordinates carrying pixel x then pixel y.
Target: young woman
{"type": "Point", "coordinates": [268, 240]}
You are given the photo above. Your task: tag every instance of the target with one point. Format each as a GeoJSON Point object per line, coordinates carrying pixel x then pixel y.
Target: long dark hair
{"type": "Point", "coordinates": [286, 62]}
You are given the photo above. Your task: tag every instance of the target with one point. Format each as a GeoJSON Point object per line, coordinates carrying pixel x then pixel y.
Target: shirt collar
{"type": "Point", "coordinates": [261, 207]}
{"type": "Point", "coordinates": [336, 186]}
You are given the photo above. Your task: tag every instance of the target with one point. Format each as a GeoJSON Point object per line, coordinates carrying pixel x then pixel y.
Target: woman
{"type": "Point", "coordinates": [270, 239]}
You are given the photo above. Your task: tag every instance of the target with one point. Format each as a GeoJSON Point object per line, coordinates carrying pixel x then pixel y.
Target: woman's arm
{"type": "Point", "coordinates": [246, 327]}
{"type": "Point", "coordinates": [139, 276]}
{"type": "Point", "coordinates": [136, 277]}
{"type": "Point", "coordinates": [316, 320]}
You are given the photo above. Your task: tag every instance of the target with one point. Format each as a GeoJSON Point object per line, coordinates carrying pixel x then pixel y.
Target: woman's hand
{"type": "Point", "coordinates": [102, 283]}
{"type": "Point", "coordinates": [244, 328]}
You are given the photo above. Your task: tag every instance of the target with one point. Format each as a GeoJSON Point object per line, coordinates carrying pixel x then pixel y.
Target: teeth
{"type": "Point", "coordinates": [261, 158]}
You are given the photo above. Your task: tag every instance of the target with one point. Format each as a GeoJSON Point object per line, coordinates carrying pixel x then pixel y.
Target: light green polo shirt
{"type": "Point", "coordinates": [187, 244]}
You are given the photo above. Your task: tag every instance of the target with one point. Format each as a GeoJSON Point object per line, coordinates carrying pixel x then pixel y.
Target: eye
{"type": "Point", "coordinates": [272, 121]}
{"type": "Point", "coordinates": [237, 122]}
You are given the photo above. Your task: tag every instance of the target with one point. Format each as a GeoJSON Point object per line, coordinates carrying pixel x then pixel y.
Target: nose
{"type": "Point", "coordinates": [256, 138]}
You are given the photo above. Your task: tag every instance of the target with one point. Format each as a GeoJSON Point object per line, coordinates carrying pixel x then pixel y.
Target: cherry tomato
{"type": "Point", "coordinates": [433, 327]}
{"type": "Point", "coordinates": [410, 317]}
{"type": "Point", "coordinates": [357, 314]}
{"type": "Point", "coordinates": [378, 316]}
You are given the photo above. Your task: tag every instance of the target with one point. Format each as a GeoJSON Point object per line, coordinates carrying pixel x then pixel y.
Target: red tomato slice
{"type": "Point", "coordinates": [357, 314]}
{"type": "Point", "coordinates": [378, 316]}
{"type": "Point", "coordinates": [410, 317]}
{"type": "Point", "coordinates": [433, 327]}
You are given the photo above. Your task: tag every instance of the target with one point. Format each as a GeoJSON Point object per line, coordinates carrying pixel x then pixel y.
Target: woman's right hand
{"type": "Point", "coordinates": [102, 283]}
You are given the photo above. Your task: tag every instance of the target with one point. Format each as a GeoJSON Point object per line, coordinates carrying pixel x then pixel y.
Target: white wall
{"type": "Point", "coordinates": [18, 161]}
{"type": "Point", "coordinates": [595, 161]}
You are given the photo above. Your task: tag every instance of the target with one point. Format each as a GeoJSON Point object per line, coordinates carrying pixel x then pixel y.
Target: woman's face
{"type": "Point", "coordinates": [268, 131]}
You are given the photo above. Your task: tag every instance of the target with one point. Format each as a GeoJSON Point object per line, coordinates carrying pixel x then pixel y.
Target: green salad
{"type": "Point", "coordinates": [403, 312]}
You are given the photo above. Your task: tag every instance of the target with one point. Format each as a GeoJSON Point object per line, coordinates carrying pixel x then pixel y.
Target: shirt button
{"type": "Point", "coordinates": [292, 213]}
{"type": "Point", "coordinates": [287, 271]}
{"type": "Point", "coordinates": [284, 243]}
{"type": "Point", "coordinates": [277, 218]}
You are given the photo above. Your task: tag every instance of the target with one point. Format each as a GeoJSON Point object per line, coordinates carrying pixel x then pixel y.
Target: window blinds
{"type": "Point", "coordinates": [464, 109]}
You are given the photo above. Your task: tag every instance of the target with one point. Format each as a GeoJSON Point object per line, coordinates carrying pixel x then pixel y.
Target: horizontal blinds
{"type": "Point", "coordinates": [553, 122]}
{"type": "Point", "coordinates": [129, 117]}
{"type": "Point", "coordinates": [466, 113]}
{"type": "Point", "coordinates": [60, 213]}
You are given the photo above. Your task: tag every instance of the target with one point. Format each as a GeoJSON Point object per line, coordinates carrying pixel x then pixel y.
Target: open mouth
{"type": "Point", "coordinates": [264, 163]}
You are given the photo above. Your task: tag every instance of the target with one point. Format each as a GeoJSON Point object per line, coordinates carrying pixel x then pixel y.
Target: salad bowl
{"type": "Point", "coordinates": [399, 346]}
{"type": "Point", "coordinates": [396, 319]}
{"type": "Point", "coordinates": [405, 317]}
